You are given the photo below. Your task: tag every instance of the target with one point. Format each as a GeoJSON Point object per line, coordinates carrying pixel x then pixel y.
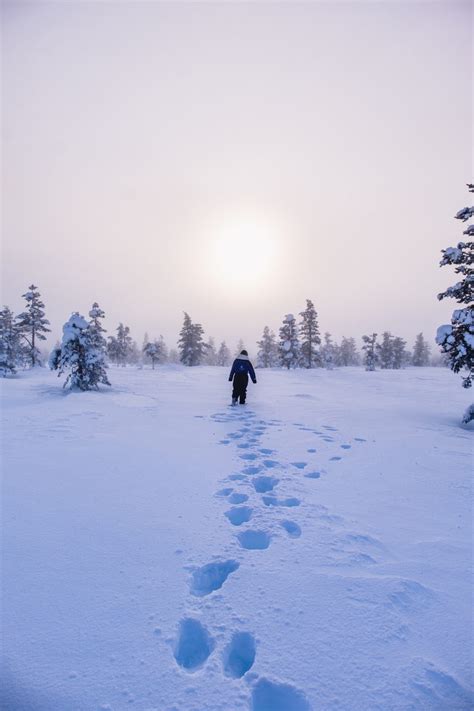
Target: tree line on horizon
{"type": "Point", "coordinates": [84, 352]}
{"type": "Point", "coordinates": [299, 345]}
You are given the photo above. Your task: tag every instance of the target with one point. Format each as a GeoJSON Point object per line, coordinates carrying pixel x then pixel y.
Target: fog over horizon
{"type": "Point", "coordinates": [231, 160]}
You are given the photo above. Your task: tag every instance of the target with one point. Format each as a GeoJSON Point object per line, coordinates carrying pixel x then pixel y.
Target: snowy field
{"type": "Point", "coordinates": [165, 552]}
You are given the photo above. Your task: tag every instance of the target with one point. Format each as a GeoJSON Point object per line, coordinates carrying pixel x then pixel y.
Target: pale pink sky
{"type": "Point", "coordinates": [137, 134]}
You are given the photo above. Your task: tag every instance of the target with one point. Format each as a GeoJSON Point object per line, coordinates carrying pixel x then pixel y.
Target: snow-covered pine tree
{"type": "Point", "coordinates": [457, 339]}
{"type": "Point", "coordinates": [267, 356]}
{"type": "Point", "coordinates": [210, 357]}
{"type": "Point", "coordinates": [347, 352]}
{"type": "Point", "coordinates": [120, 347]}
{"type": "Point", "coordinates": [309, 332]}
{"type": "Point", "coordinates": [79, 355]}
{"type": "Point", "coordinates": [190, 343]}
{"type": "Point", "coordinates": [224, 356]}
{"type": "Point", "coordinates": [33, 323]}
{"type": "Point", "coordinates": [327, 352]}
{"type": "Point", "coordinates": [289, 347]}
{"type": "Point", "coordinates": [385, 351]}
{"type": "Point", "coordinates": [152, 351]}
{"type": "Point", "coordinates": [421, 352]}
{"type": "Point", "coordinates": [370, 351]}
{"type": "Point", "coordinates": [96, 329]}
{"type": "Point", "coordinates": [10, 343]}
{"type": "Point", "coordinates": [97, 343]}
{"type": "Point", "coordinates": [156, 351]}
{"type": "Point", "coordinates": [400, 357]}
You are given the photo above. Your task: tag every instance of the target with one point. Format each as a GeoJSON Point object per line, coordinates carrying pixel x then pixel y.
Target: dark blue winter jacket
{"type": "Point", "coordinates": [242, 365]}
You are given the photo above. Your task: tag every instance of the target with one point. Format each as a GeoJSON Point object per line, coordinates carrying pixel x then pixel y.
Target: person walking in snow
{"type": "Point", "coordinates": [241, 369]}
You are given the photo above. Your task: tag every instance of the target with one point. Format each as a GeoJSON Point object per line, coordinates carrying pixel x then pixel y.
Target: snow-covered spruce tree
{"type": "Point", "coordinates": [309, 332]}
{"type": "Point", "coordinates": [400, 356]}
{"type": "Point", "coordinates": [267, 356]}
{"type": "Point", "coordinates": [96, 329]}
{"type": "Point", "coordinates": [120, 347]}
{"type": "Point", "coordinates": [289, 347]}
{"type": "Point", "coordinates": [370, 351]}
{"type": "Point", "coordinates": [79, 355]}
{"type": "Point", "coordinates": [385, 351]}
{"type": "Point", "coordinates": [327, 352]}
{"type": "Point", "coordinates": [156, 351]}
{"type": "Point", "coordinates": [33, 323]}
{"type": "Point", "coordinates": [347, 352]}
{"type": "Point", "coordinates": [210, 356]}
{"type": "Point", "coordinates": [457, 339]}
{"type": "Point", "coordinates": [97, 343]}
{"type": "Point", "coordinates": [10, 343]}
{"type": "Point", "coordinates": [190, 343]}
{"type": "Point", "coordinates": [224, 356]}
{"type": "Point", "coordinates": [421, 352]}
{"type": "Point", "coordinates": [152, 351]}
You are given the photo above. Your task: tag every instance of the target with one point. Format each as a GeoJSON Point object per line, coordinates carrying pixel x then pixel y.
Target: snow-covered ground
{"type": "Point", "coordinates": [163, 551]}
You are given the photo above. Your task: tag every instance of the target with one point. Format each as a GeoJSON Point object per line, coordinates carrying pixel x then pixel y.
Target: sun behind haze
{"type": "Point", "coordinates": [234, 159]}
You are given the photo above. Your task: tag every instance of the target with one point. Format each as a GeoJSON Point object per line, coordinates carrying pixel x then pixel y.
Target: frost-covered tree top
{"type": "Point", "coordinates": [80, 355]}
{"type": "Point", "coordinates": [289, 347]}
{"type": "Point", "coordinates": [421, 351]}
{"type": "Point", "coordinates": [191, 345]}
{"type": "Point", "coordinates": [224, 356]}
{"type": "Point", "coordinates": [457, 338]}
{"type": "Point", "coordinates": [121, 347]}
{"type": "Point", "coordinates": [33, 323]}
{"type": "Point", "coordinates": [267, 356]}
{"type": "Point", "coordinates": [309, 334]}
{"type": "Point", "coordinates": [10, 345]}
{"type": "Point", "coordinates": [369, 348]}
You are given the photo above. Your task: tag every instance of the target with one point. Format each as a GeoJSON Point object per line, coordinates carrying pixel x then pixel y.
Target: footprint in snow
{"type": "Point", "coordinates": [266, 451]}
{"type": "Point", "coordinates": [194, 644]}
{"type": "Point", "coordinates": [224, 492]}
{"type": "Point", "coordinates": [271, 696]}
{"type": "Point", "coordinates": [224, 441]}
{"type": "Point", "coordinates": [329, 428]}
{"type": "Point", "coordinates": [313, 475]}
{"type": "Point", "coordinates": [273, 501]}
{"type": "Point", "coordinates": [239, 655]}
{"type": "Point", "coordinates": [335, 459]}
{"type": "Point", "coordinates": [299, 465]}
{"type": "Point", "coordinates": [252, 470]}
{"type": "Point", "coordinates": [360, 439]}
{"type": "Point", "coordinates": [243, 445]}
{"type": "Point", "coordinates": [270, 463]}
{"type": "Point", "coordinates": [345, 446]}
{"type": "Point", "coordinates": [237, 498]}
{"type": "Point", "coordinates": [311, 451]}
{"type": "Point", "coordinates": [262, 484]}
{"type": "Point", "coordinates": [239, 515]}
{"type": "Point", "coordinates": [254, 540]}
{"type": "Point", "coordinates": [212, 576]}
{"type": "Point", "coordinates": [292, 528]}
{"type": "Point", "coordinates": [236, 477]}
{"type": "Point", "coordinates": [248, 457]}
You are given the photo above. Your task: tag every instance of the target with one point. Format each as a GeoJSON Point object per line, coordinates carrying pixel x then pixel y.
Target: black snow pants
{"type": "Point", "coordinates": [241, 380]}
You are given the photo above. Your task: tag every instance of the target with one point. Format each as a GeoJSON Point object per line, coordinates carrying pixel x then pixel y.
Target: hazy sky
{"type": "Point", "coordinates": [231, 159]}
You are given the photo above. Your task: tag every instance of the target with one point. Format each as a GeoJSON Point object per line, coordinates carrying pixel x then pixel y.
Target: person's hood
{"type": "Point", "coordinates": [242, 357]}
